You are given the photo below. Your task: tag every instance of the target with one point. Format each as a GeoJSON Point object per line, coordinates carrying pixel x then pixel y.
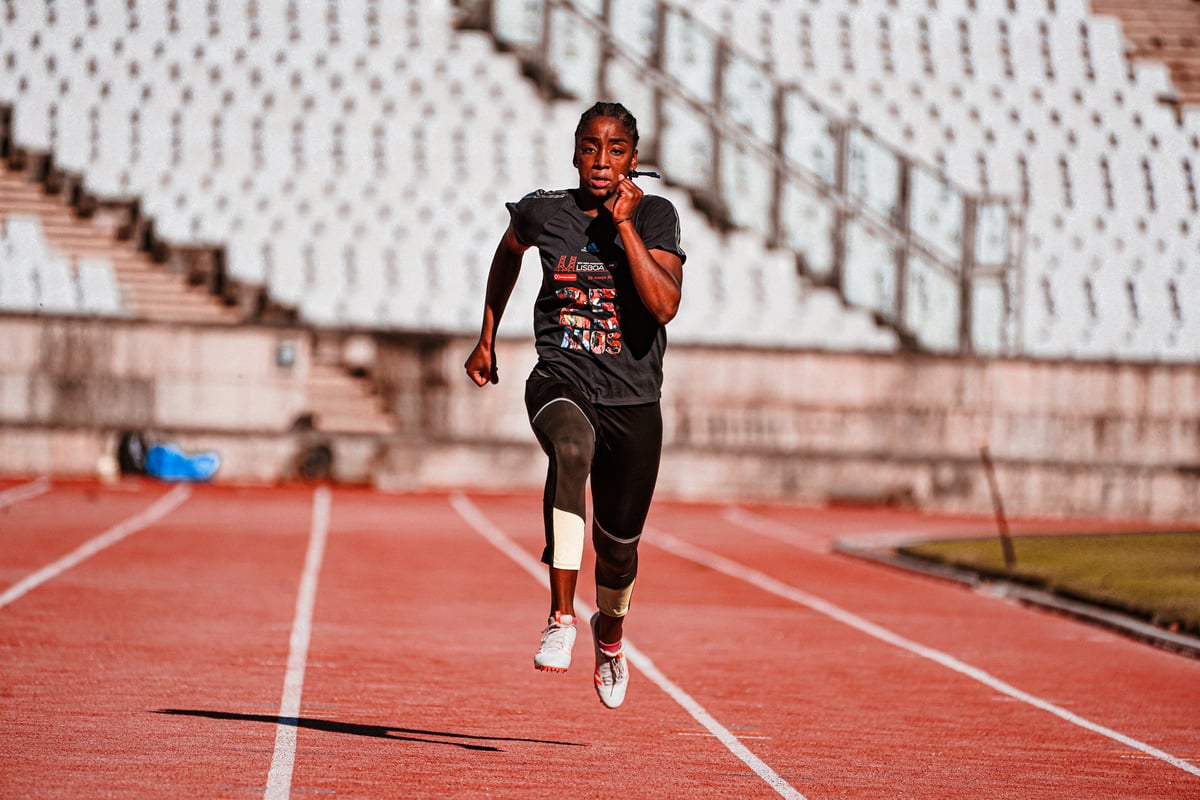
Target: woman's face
{"type": "Point", "coordinates": [603, 150]}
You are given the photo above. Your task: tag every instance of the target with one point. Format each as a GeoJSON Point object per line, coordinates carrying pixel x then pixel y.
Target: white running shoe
{"type": "Point", "coordinates": [557, 640]}
{"type": "Point", "coordinates": [612, 673]}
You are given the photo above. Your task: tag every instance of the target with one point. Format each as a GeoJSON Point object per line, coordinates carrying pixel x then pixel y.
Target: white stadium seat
{"type": "Point", "coordinates": [18, 287]}
{"type": "Point", "coordinates": [57, 289]}
{"type": "Point", "coordinates": [99, 292]}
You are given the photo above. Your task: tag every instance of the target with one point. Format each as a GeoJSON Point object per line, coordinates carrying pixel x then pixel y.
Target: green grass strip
{"type": "Point", "coordinates": [1152, 576]}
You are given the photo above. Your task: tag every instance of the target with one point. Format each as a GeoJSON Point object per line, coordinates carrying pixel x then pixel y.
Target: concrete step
{"type": "Point", "coordinates": [147, 289]}
{"type": "Point", "coordinates": [343, 403]}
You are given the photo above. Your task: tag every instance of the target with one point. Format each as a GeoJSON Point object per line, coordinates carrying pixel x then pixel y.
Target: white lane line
{"type": "Point", "coordinates": [682, 549]}
{"type": "Point", "coordinates": [484, 527]}
{"type": "Point", "coordinates": [159, 509]}
{"type": "Point", "coordinates": [283, 760]}
{"type": "Point", "coordinates": [26, 491]}
{"type": "Point", "coordinates": [765, 526]}
{"type": "Point", "coordinates": [742, 736]}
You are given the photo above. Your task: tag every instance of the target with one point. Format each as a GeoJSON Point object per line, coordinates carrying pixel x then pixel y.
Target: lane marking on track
{"type": "Point", "coordinates": [156, 511]}
{"type": "Point", "coordinates": [484, 527]}
{"type": "Point", "coordinates": [742, 736]}
{"type": "Point", "coordinates": [283, 759]}
{"type": "Point", "coordinates": [765, 526]}
{"type": "Point", "coordinates": [682, 549]}
{"type": "Point", "coordinates": [26, 491]}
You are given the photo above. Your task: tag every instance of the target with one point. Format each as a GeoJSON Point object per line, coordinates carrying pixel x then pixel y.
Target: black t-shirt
{"type": "Point", "coordinates": [590, 326]}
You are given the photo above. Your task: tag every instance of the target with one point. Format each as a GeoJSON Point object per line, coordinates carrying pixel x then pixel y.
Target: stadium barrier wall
{"type": "Point", "coordinates": [70, 386]}
{"type": "Point", "coordinates": [1067, 438]}
{"type": "Point", "coordinates": [104, 372]}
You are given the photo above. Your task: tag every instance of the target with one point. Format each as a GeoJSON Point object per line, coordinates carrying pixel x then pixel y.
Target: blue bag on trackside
{"type": "Point", "coordinates": [169, 463]}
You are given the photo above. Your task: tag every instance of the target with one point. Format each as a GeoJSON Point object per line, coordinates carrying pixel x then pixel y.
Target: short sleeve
{"type": "Point", "coordinates": [659, 226]}
{"type": "Point", "coordinates": [529, 216]}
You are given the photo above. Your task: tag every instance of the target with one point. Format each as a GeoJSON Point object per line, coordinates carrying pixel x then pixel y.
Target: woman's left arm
{"type": "Point", "coordinates": [657, 274]}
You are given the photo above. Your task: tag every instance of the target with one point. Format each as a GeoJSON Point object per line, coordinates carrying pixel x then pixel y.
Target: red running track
{"type": "Point", "coordinates": [239, 642]}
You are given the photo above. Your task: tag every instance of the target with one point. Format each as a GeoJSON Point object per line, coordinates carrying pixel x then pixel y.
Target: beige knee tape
{"type": "Point", "coordinates": [568, 539]}
{"type": "Point", "coordinates": [614, 602]}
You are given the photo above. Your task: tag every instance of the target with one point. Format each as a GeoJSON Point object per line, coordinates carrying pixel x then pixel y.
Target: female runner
{"type": "Point", "coordinates": [612, 272]}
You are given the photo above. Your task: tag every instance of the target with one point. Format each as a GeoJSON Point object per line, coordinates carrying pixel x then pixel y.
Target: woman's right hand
{"type": "Point", "coordinates": [481, 366]}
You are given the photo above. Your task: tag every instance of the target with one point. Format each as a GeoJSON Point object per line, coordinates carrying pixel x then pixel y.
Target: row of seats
{"type": "Point", "coordinates": [438, 285]}
{"type": "Point", "coordinates": [1028, 101]}
{"type": "Point", "coordinates": [335, 150]}
{"type": "Point", "coordinates": [760, 303]}
{"type": "Point", "coordinates": [34, 278]}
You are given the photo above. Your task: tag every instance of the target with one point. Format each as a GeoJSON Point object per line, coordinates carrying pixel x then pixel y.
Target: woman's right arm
{"type": "Point", "coordinates": [502, 277]}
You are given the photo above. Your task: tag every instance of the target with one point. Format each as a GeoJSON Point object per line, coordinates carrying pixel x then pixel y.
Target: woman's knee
{"type": "Point", "coordinates": [616, 559]}
{"type": "Point", "coordinates": [569, 434]}
{"type": "Point", "coordinates": [573, 453]}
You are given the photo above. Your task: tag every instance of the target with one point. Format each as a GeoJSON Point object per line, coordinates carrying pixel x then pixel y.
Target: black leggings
{"type": "Point", "coordinates": [619, 448]}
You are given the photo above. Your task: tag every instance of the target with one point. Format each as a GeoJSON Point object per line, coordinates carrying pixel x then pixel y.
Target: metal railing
{"type": "Point", "coordinates": [894, 235]}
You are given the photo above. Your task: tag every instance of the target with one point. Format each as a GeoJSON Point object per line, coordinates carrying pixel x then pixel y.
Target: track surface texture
{"type": "Point", "coordinates": [211, 641]}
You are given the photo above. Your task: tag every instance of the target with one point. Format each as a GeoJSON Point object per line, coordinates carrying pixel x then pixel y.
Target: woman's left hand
{"type": "Point", "coordinates": [626, 198]}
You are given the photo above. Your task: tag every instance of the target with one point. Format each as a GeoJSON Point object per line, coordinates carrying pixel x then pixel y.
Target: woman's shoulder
{"type": "Point", "coordinates": [531, 213]}
{"type": "Point", "coordinates": [542, 203]}
{"type": "Point", "coordinates": [545, 197]}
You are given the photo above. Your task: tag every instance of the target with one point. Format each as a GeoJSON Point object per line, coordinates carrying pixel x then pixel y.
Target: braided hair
{"type": "Point", "coordinates": [613, 110]}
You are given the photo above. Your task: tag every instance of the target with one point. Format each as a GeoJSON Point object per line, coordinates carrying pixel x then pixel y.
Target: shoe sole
{"type": "Point", "coordinates": [544, 668]}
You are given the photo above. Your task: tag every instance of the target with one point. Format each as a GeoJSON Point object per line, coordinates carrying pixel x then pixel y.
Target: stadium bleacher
{"type": "Point", "coordinates": [54, 261]}
{"type": "Point", "coordinates": [36, 278]}
{"type": "Point", "coordinates": [352, 160]}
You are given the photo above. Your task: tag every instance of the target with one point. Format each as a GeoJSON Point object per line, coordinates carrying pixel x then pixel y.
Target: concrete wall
{"type": "Point", "coordinates": [61, 371]}
{"type": "Point", "coordinates": [68, 386]}
{"type": "Point", "coordinates": [1066, 438]}
{"type": "Point", "coordinates": [1111, 440]}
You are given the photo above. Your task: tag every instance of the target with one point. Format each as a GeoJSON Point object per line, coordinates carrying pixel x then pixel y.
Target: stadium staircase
{"type": "Point", "coordinates": [146, 290]}
{"type": "Point", "coordinates": [343, 403]}
{"type": "Point", "coordinates": [338, 401]}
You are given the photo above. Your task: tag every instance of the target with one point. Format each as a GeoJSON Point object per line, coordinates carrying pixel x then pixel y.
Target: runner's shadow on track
{"type": "Point", "coordinates": [372, 731]}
